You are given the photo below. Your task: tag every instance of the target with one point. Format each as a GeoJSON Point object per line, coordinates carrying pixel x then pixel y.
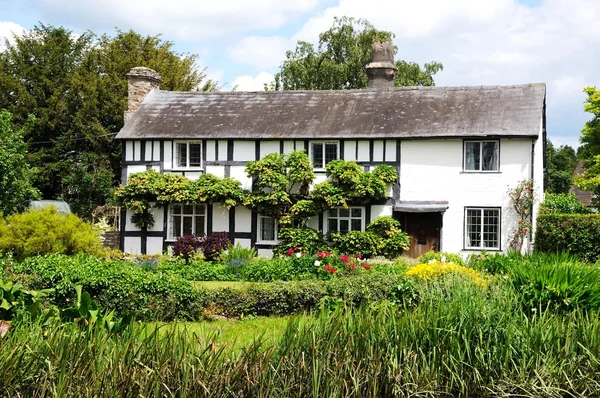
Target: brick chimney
{"type": "Point", "coordinates": [381, 70]}
{"type": "Point", "coordinates": [140, 81]}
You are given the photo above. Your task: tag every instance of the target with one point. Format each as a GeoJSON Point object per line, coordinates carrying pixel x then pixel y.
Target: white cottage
{"type": "Point", "coordinates": [457, 151]}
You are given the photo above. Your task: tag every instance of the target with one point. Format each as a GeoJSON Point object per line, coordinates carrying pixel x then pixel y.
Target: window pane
{"type": "Point", "coordinates": [188, 209]}
{"type": "Point", "coordinates": [317, 155]}
{"type": "Point", "coordinates": [176, 209]}
{"type": "Point", "coordinates": [472, 160]}
{"type": "Point", "coordinates": [200, 209]}
{"type": "Point", "coordinates": [199, 230]}
{"type": "Point", "coordinates": [332, 225]}
{"type": "Point", "coordinates": [176, 225]}
{"type": "Point", "coordinates": [356, 212]}
{"type": "Point", "coordinates": [187, 225]}
{"type": "Point", "coordinates": [181, 154]}
{"type": "Point", "coordinates": [473, 228]}
{"type": "Point", "coordinates": [332, 213]}
{"type": "Point", "coordinates": [344, 212]}
{"type": "Point", "coordinates": [356, 225]}
{"type": "Point", "coordinates": [344, 226]}
{"type": "Point", "coordinates": [330, 152]}
{"type": "Point", "coordinates": [267, 228]}
{"type": "Point", "coordinates": [195, 155]}
{"type": "Point", "coordinates": [491, 223]}
{"type": "Point", "coordinates": [490, 155]}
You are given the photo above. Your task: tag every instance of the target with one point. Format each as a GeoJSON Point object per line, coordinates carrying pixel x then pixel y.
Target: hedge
{"type": "Point", "coordinates": [577, 234]}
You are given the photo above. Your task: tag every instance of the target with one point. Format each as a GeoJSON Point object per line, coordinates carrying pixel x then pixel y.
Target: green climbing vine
{"type": "Point", "coordinates": [280, 189]}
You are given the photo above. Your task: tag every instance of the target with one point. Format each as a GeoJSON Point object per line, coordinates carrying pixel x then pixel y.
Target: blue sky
{"type": "Point", "coordinates": [242, 42]}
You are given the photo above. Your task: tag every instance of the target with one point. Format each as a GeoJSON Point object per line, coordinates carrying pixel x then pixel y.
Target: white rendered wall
{"type": "Point", "coordinates": [538, 178]}
{"type": "Point", "coordinates": [154, 245]}
{"type": "Point", "coordinates": [431, 170]}
{"type": "Point", "coordinates": [380, 211]}
{"type": "Point", "coordinates": [135, 169]}
{"type": "Point", "coordinates": [243, 219]}
{"type": "Point", "coordinates": [133, 245]}
{"type": "Point", "coordinates": [244, 150]}
{"type": "Point", "coordinates": [220, 219]}
{"type": "Point", "coordinates": [239, 173]}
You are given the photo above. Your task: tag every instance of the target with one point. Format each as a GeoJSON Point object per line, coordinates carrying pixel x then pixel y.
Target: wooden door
{"type": "Point", "coordinates": [424, 231]}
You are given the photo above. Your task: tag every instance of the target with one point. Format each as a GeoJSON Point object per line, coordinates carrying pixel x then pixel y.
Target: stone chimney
{"type": "Point", "coordinates": [381, 70]}
{"type": "Point", "coordinates": [140, 81]}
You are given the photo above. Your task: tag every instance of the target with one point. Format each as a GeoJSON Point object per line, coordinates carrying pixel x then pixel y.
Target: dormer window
{"type": "Point", "coordinates": [323, 152]}
{"type": "Point", "coordinates": [187, 155]}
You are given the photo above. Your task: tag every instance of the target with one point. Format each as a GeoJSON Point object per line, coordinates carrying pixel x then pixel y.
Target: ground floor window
{"type": "Point", "coordinates": [186, 220]}
{"type": "Point", "coordinates": [482, 228]}
{"type": "Point", "coordinates": [267, 229]}
{"type": "Point", "coordinates": [343, 220]}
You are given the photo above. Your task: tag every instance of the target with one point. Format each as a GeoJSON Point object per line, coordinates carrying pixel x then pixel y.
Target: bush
{"type": "Point", "coordinates": [46, 231]}
{"type": "Point", "coordinates": [306, 240]}
{"type": "Point", "coordinates": [577, 234]}
{"type": "Point", "coordinates": [561, 203]}
{"type": "Point", "coordinates": [236, 256]}
{"type": "Point", "coordinates": [496, 263]}
{"type": "Point", "coordinates": [395, 242]}
{"type": "Point", "coordinates": [296, 297]}
{"type": "Point", "coordinates": [117, 286]}
{"type": "Point", "coordinates": [367, 244]}
{"type": "Point", "coordinates": [384, 226]}
{"type": "Point", "coordinates": [185, 247]}
{"type": "Point", "coordinates": [437, 269]}
{"type": "Point", "coordinates": [198, 270]}
{"type": "Point", "coordinates": [439, 256]}
{"type": "Point", "coordinates": [212, 245]}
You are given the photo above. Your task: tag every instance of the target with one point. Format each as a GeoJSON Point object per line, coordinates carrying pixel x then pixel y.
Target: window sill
{"type": "Point", "coordinates": [268, 242]}
{"type": "Point", "coordinates": [188, 169]}
{"type": "Point", "coordinates": [486, 249]}
{"type": "Point", "coordinates": [480, 172]}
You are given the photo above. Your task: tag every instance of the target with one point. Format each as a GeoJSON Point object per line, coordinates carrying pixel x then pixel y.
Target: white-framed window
{"type": "Point", "coordinates": [267, 229]}
{"type": "Point", "coordinates": [187, 155]}
{"type": "Point", "coordinates": [482, 155]}
{"type": "Point", "coordinates": [186, 220]}
{"type": "Point", "coordinates": [482, 228]}
{"type": "Point", "coordinates": [344, 220]}
{"type": "Point", "coordinates": [323, 152]}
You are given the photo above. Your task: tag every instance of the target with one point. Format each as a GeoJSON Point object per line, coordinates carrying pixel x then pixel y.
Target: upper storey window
{"type": "Point", "coordinates": [188, 155]}
{"type": "Point", "coordinates": [482, 155]}
{"type": "Point", "coordinates": [323, 152]}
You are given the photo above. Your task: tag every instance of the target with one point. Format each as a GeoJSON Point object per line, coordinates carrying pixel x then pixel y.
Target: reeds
{"type": "Point", "coordinates": [460, 340]}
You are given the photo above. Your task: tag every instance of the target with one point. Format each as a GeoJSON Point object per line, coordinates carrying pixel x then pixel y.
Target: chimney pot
{"type": "Point", "coordinates": [381, 70]}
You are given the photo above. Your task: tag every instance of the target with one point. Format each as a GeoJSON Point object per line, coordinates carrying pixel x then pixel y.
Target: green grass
{"type": "Point", "coordinates": [231, 334]}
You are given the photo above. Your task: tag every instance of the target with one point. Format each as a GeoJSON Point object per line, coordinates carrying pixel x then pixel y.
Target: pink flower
{"type": "Point", "coordinates": [297, 249]}
{"type": "Point", "coordinates": [326, 267]}
{"type": "Point", "coordinates": [358, 256]}
{"type": "Point", "coordinates": [327, 254]}
{"type": "Point", "coordinates": [320, 254]}
{"type": "Point", "coordinates": [353, 266]}
{"type": "Point", "coordinates": [290, 252]}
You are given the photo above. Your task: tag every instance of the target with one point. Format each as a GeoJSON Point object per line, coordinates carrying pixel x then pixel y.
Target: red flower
{"type": "Point", "coordinates": [290, 252]}
{"type": "Point", "coordinates": [320, 254]}
{"type": "Point", "coordinates": [358, 256]}
{"type": "Point", "coordinates": [353, 266]}
{"type": "Point", "coordinates": [364, 265]}
{"type": "Point", "coordinates": [344, 258]}
{"type": "Point", "coordinates": [326, 267]}
{"type": "Point", "coordinates": [328, 254]}
{"type": "Point", "coordinates": [332, 270]}
{"type": "Point", "coordinates": [297, 249]}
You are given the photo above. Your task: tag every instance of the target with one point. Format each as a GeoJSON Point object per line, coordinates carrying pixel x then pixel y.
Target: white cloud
{"type": "Point", "coordinates": [260, 52]}
{"type": "Point", "coordinates": [249, 83]}
{"type": "Point", "coordinates": [182, 19]}
{"type": "Point", "coordinates": [7, 29]}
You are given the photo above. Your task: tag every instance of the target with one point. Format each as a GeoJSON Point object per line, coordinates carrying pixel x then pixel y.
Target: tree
{"type": "Point", "coordinates": [560, 164]}
{"type": "Point", "coordinates": [590, 138]}
{"type": "Point", "coordinates": [76, 86]}
{"type": "Point", "coordinates": [16, 177]}
{"type": "Point", "coordinates": [340, 59]}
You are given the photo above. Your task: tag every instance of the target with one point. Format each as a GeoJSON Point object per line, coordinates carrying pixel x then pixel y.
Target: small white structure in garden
{"type": "Point", "coordinates": [457, 151]}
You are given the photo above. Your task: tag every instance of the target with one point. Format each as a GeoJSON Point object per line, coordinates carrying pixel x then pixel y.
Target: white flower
{"type": "Point", "coordinates": [431, 262]}
{"type": "Point", "coordinates": [443, 259]}
{"type": "Point", "coordinates": [317, 263]}
{"type": "Point", "coordinates": [298, 255]}
{"type": "Point", "coordinates": [505, 276]}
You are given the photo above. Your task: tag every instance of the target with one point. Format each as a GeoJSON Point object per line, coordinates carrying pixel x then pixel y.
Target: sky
{"type": "Point", "coordinates": [242, 42]}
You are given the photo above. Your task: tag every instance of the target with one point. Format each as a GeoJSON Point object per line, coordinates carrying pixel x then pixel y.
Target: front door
{"type": "Point", "coordinates": [424, 231]}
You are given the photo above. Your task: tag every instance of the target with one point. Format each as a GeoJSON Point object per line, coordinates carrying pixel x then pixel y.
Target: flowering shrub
{"type": "Point", "coordinates": [325, 263]}
{"type": "Point", "coordinates": [436, 268]}
{"type": "Point", "coordinates": [185, 247]}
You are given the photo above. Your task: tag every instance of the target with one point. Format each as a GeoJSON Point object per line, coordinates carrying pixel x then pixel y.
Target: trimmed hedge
{"type": "Point", "coordinates": [577, 234]}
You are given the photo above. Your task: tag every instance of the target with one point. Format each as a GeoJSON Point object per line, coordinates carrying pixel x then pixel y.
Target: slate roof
{"type": "Point", "coordinates": [403, 112]}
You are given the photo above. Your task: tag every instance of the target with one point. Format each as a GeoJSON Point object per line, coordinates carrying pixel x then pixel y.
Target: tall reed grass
{"type": "Point", "coordinates": [460, 340]}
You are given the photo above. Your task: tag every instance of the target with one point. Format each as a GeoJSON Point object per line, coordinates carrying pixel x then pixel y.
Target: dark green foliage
{"type": "Point", "coordinates": [395, 242]}
{"type": "Point", "coordinates": [497, 263]}
{"type": "Point", "coordinates": [117, 286]}
{"type": "Point", "coordinates": [199, 270]}
{"type": "Point", "coordinates": [296, 297]}
{"type": "Point", "coordinates": [562, 203]}
{"type": "Point", "coordinates": [47, 231]}
{"type": "Point", "coordinates": [16, 177]}
{"type": "Point", "coordinates": [450, 257]}
{"type": "Point", "coordinates": [367, 244]}
{"type": "Point", "coordinates": [339, 61]}
{"type": "Point", "coordinates": [560, 164]}
{"type": "Point", "coordinates": [185, 247]}
{"type": "Point", "coordinates": [577, 234]}
{"type": "Point", "coordinates": [306, 239]}
{"type": "Point", "coordinates": [14, 300]}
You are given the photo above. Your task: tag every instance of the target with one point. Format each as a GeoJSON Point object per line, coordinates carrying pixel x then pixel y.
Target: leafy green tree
{"type": "Point", "coordinates": [590, 138]}
{"type": "Point", "coordinates": [16, 177]}
{"type": "Point", "coordinates": [560, 164]}
{"type": "Point", "coordinates": [76, 86]}
{"type": "Point", "coordinates": [339, 61]}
